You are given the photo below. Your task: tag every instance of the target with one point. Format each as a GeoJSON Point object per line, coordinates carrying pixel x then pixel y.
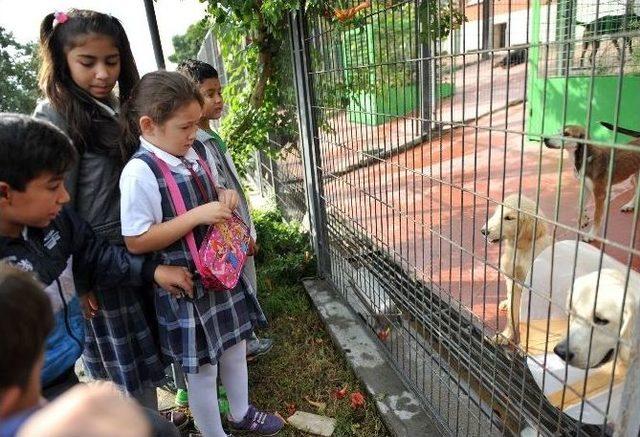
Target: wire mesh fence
{"type": "Point", "coordinates": [473, 197]}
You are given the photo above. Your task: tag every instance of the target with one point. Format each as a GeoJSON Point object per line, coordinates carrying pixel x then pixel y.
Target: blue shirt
{"type": "Point", "coordinates": [10, 426]}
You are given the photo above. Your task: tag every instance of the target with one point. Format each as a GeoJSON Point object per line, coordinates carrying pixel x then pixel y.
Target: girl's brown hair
{"type": "Point", "coordinates": [73, 103]}
{"type": "Point", "coordinates": [158, 95]}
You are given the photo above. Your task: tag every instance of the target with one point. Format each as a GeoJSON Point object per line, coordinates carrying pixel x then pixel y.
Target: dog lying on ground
{"type": "Point", "coordinates": [607, 25]}
{"type": "Point", "coordinates": [524, 238]}
{"type": "Point", "coordinates": [582, 349]}
{"type": "Point", "coordinates": [626, 164]}
{"type": "Point", "coordinates": [513, 57]}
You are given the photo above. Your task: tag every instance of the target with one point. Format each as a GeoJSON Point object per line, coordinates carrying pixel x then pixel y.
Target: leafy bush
{"type": "Point", "coordinates": [285, 254]}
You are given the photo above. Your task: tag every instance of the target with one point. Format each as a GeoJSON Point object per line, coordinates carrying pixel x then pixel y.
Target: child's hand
{"type": "Point", "coordinates": [229, 198]}
{"type": "Point", "coordinates": [89, 305]}
{"type": "Point", "coordinates": [176, 280]}
{"type": "Point", "coordinates": [212, 213]}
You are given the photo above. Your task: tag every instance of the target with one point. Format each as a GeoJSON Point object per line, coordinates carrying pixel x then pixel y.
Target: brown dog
{"type": "Point", "coordinates": [596, 170]}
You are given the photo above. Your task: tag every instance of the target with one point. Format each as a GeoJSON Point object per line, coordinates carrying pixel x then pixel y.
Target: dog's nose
{"type": "Point", "coordinates": [561, 351]}
{"type": "Point", "coordinates": [483, 231]}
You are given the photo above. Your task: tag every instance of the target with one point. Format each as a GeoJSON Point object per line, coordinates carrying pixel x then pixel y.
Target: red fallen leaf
{"type": "Point", "coordinates": [339, 394]}
{"type": "Point", "coordinates": [357, 400]}
{"type": "Point", "coordinates": [291, 408]}
{"type": "Point", "coordinates": [384, 335]}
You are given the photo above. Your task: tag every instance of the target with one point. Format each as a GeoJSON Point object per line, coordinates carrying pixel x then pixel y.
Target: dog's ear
{"type": "Point", "coordinates": [541, 228]}
{"type": "Point", "coordinates": [629, 320]}
{"type": "Point", "coordinates": [525, 227]}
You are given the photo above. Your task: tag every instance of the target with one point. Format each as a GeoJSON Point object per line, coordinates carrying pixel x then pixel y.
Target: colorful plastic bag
{"type": "Point", "coordinates": [224, 249]}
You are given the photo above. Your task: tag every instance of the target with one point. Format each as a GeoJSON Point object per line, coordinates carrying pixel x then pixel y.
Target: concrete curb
{"type": "Point", "coordinates": [400, 409]}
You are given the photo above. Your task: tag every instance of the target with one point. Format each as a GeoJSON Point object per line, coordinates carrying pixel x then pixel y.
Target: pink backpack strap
{"type": "Point", "coordinates": [202, 161]}
{"type": "Point", "coordinates": [178, 204]}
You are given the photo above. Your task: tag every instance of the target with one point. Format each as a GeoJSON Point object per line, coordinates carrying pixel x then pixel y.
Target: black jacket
{"type": "Point", "coordinates": [47, 253]}
{"type": "Point", "coordinates": [93, 182]}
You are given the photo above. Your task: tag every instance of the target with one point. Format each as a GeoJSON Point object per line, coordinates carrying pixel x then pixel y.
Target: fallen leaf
{"type": "Point", "coordinates": [291, 408]}
{"type": "Point", "coordinates": [321, 406]}
{"type": "Point", "coordinates": [339, 394]}
{"type": "Point", "coordinates": [357, 400]}
{"type": "Point", "coordinates": [384, 335]}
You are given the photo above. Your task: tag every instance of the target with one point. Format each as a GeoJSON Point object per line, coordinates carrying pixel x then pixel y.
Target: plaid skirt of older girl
{"type": "Point", "coordinates": [119, 343]}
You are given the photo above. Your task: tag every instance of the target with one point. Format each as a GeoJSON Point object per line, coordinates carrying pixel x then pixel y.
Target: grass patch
{"type": "Point", "coordinates": [303, 365]}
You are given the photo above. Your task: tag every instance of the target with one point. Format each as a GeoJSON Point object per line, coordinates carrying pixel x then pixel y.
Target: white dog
{"type": "Point", "coordinates": [593, 335]}
{"type": "Point", "coordinates": [524, 238]}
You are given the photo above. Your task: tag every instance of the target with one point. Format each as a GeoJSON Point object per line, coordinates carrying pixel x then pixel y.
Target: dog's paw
{"type": "Point", "coordinates": [588, 237]}
{"type": "Point", "coordinates": [628, 207]}
{"type": "Point", "coordinates": [504, 305]}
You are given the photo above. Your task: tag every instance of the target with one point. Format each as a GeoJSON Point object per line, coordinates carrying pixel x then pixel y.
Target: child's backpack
{"type": "Point", "coordinates": [224, 249]}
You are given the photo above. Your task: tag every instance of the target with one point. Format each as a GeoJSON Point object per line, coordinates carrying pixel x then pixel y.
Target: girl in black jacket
{"type": "Point", "coordinates": [85, 55]}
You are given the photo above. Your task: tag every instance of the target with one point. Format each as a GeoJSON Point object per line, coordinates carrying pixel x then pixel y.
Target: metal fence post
{"type": "Point", "coordinates": [487, 29]}
{"type": "Point", "coordinates": [309, 139]}
{"type": "Point", "coordinates": [629, 425]}
{"type": "Point", "coordinates": [426, 81]}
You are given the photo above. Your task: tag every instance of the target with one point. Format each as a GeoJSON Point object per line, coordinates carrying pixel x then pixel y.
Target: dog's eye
{"type": "Point", "coordinates": [509, 217]}
{"type": "Point", "coordinates": [598, 321]}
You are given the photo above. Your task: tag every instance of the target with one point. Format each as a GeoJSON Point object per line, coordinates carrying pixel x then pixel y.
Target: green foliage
{"type": "Point", "coordinates": [438, 18]}
{"type": "Point", "coordinates": [18, 74]}
{"type": "Point", "coordinates": [253, 36]}
{"type": "Point", "coordinates": [285, 254]}
{"type": "Point", "coordinates": [186, 46]}
{"type": "Point", "coordinates": [253, 39]}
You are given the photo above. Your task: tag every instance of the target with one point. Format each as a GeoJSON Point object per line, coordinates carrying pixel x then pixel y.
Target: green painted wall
{"type": "Point", "coordinates": [382, 106]}
{"type": "Point", "coordinates": [547, 105]}
{"type": "Point", "coordinates": [561, 100]}
{"type": "Point", "coordinates": [373, 58]}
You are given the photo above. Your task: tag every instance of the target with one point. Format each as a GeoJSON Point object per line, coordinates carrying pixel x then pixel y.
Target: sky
{"type": "Point", "coordinates": [23, 17]}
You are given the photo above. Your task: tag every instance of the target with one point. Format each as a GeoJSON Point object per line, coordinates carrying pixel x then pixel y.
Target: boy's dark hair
{"type": "Point", "coordinates": [158, 95]}
{"type": "Point", "coordinates": [30, 147]}
{"type": "Point", "coordinates": [26, 318]}
{"type": "Point", "coordinates": [75, 105]}
{"type": "Point", "coordinates": [198, 71]}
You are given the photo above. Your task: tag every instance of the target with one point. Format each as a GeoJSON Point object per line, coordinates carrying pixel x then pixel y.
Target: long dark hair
{"type": "Point", "coordinates": [158, 95]}
{"type": "Point", "coordinates": [73, 103]}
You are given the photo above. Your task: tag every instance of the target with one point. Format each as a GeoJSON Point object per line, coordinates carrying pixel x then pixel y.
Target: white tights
{"type": "Point", "coordinates": [203, 393]}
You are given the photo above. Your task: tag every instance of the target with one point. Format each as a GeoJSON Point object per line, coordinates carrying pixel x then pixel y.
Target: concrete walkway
{"type": "Point", "coordinates": [401, 411]}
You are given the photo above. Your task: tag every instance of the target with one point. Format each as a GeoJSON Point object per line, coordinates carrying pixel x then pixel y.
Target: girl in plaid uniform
{"type": "Point", "coordinates": [85, 55]}
{"type": "Point", "coordinates": [209, 330]}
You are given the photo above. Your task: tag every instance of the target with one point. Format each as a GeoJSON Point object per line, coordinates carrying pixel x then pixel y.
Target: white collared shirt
{"type": "Point", "coordinates": [140, 198]}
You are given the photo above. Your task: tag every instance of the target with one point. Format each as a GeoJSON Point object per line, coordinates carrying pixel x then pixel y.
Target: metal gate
{"type": "Point", "coordinates": [454, 153]}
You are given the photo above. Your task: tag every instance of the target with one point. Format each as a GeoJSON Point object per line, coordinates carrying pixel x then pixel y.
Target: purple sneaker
{"type": "Point", "coordinates": [257, 422]}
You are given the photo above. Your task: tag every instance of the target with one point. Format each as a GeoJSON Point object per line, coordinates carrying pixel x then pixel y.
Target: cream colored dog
{"type": "Point", "coordinates": [523, 239]}
{"type": "Point", "coordinates": [584, 349]}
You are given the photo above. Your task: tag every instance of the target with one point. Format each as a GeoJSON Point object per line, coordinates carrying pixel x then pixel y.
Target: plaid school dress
{"type": "Point", "coordinates": [119, 344]}
{"type": "Point", "coordinates": [196, 331]}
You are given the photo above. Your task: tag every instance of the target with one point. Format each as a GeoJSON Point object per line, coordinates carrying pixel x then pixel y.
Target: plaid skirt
{"type": "Point", "coordinates": [119, 343]}
{"type": "Point", "coordinates": [197, 331]}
